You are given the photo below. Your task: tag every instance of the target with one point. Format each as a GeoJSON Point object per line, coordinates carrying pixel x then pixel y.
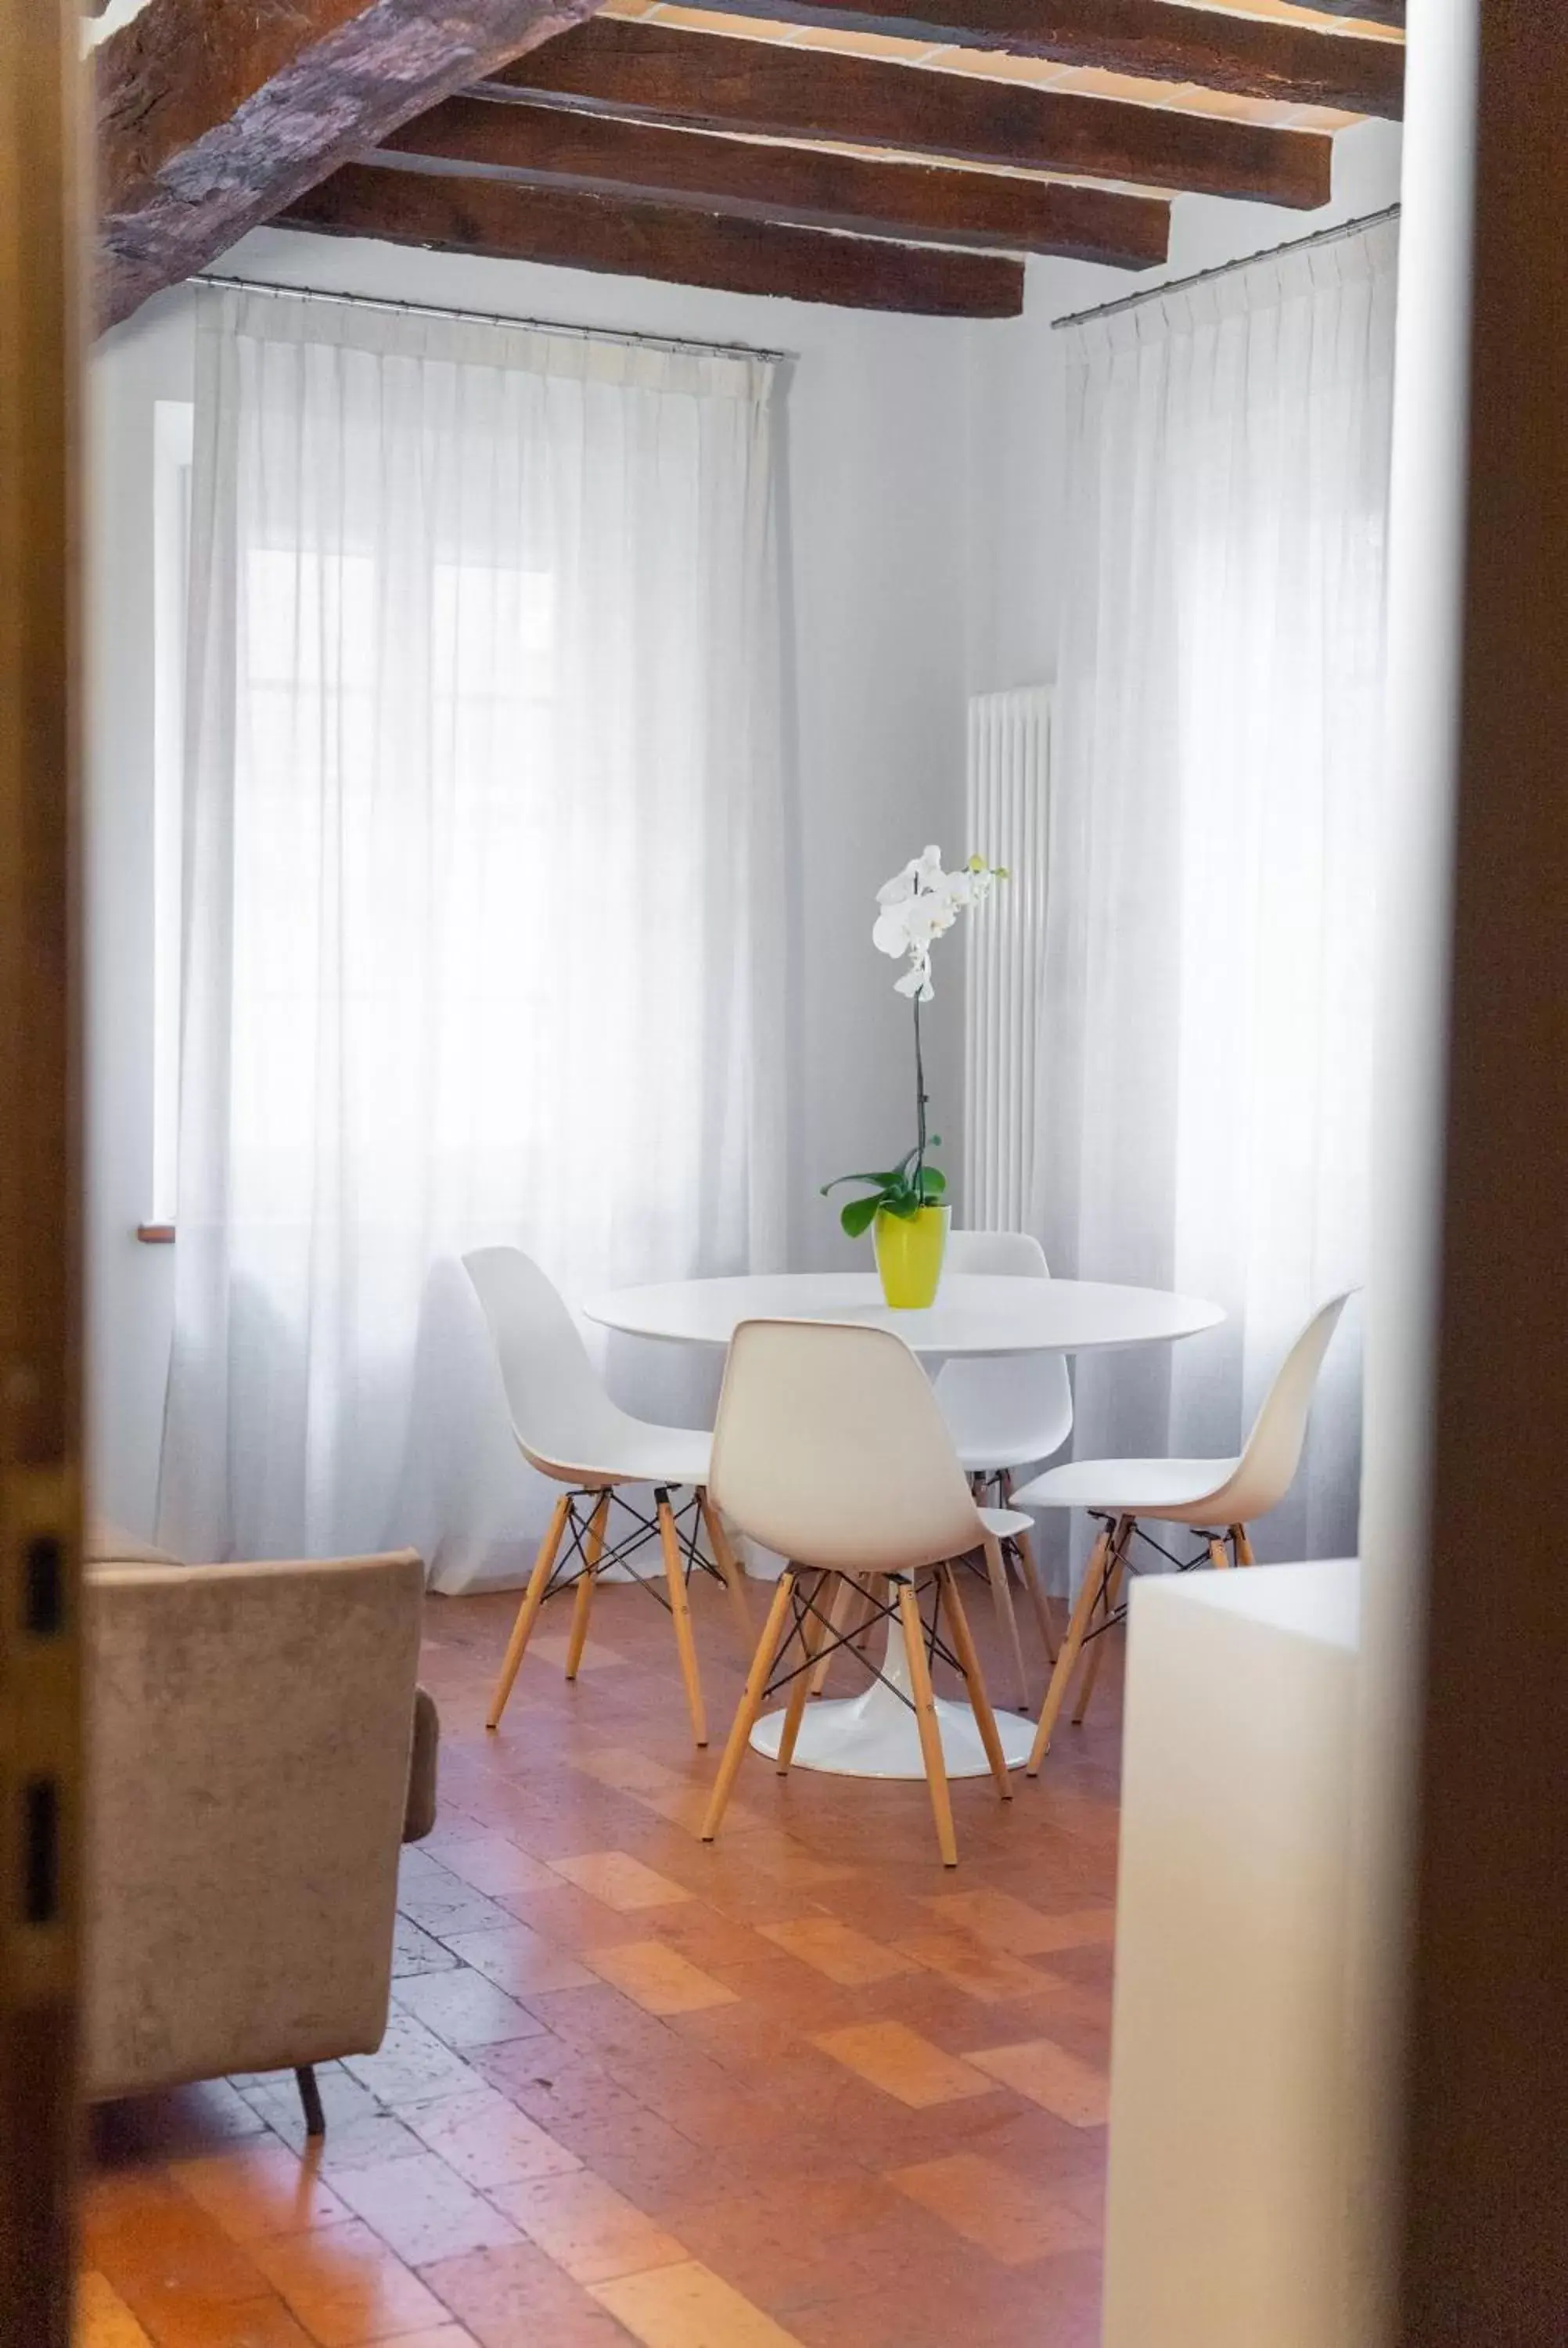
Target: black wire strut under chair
{"type": "Point", "coordinates": [812, 1631]}
{"type": "Point", "coordinates": [805, 1609]}
{"type": "Point", "coordinates": [1118, 1613]}
{"type": "Point", "coordinates": [581, 1514]}
{"type": "Point", "coordinates": [688, 1520]}
{"type": "Point", "coordinates": [1109, 1608]}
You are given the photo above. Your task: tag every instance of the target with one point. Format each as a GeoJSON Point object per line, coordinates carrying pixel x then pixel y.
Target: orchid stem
{"type": "Point", "coordinates": [919, 1111]}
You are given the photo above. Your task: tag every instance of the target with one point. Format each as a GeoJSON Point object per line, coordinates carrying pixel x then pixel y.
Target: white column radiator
{"type": "Point", "coordinates": [1009, 785]}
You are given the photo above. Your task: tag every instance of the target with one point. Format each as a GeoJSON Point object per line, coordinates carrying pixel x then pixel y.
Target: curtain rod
{"type": "Point", "coordinates": [492, 319]}
{"type": "Point", "coordinates": [1228, 268]}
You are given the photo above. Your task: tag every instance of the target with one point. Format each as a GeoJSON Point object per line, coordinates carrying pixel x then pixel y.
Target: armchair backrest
{"type": "Point", "coordinates": [249, 1734]}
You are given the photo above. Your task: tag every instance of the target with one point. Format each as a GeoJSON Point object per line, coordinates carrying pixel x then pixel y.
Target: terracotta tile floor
{"type": "Point", "coordinates": [801, 2087]}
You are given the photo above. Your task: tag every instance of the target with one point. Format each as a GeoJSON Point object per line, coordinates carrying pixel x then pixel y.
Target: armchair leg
{"type": "Point", "coordinates": [311, 2099]}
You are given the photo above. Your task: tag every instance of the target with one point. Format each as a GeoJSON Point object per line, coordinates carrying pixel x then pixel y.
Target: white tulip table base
{"type": "Point", "coordinates": [875, 1734]}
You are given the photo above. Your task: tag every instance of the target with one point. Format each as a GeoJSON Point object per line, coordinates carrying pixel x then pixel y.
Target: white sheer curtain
{"type": "Point", "coordinates": [483, 831]}
{"type": "Point", "coordinates": [1206, 1105]}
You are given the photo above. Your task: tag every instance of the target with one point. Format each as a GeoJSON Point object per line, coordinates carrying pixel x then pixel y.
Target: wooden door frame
{"type": "Point", "coordinates": [1482, 2233]}
{"type": "Point", "coordinates": [40, 291]}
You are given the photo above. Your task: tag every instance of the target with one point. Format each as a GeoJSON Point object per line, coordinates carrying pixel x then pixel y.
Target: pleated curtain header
{"type": "Point", "coordinates": [1273, 281]}
{"type": "Point", "coordinates": [576, 356]}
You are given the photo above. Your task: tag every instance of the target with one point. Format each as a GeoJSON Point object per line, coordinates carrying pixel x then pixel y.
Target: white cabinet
{"type": "Point", "coordinates": [1228, 2098]}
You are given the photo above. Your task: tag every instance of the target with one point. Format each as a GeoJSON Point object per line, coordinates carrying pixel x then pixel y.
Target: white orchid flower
{"type": "Point", "coordinates": [891, 933]}
{"type": "Point", "coordinates": [919, 905]}
{"type": "Point", "coordinates": [921, 873]}
{"type": "Point", "coordinates": [929, 918]}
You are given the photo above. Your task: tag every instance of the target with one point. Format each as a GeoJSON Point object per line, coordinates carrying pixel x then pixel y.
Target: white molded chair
{"type": "Point", "coordinates": [568, 1427]}
{"type": "Point", "coordinates": [830, 1448]}
{"type": "Point", "coordinates": [1216, 1497]}
{"type": "Point", "coordinates": [1005, 1415]}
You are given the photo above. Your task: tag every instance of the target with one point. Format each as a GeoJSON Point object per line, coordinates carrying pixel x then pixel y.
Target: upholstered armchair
{"type": "Point", "coordinates": [256, 1757]}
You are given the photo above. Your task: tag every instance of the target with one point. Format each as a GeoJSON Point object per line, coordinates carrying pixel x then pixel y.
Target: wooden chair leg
{"type": "Point", "coordinates": [1219, 1556]}
{"type": "Point", "coordinates": [874, 1594]}
{"type": "Point", "coordinates": [533, 1599]}
{"type": "Point", "coordinates": [844, 1598]}
{"type": "Point", "coordinates": [751, 1704]}
{"type": "Point", "coordinates": [582, 1605]}
{"type": "Point", "coordinates": [814, 1633]}
{"type": "Point", "coordinates": [1001, 1591]}
{"type": "Point", "coordinates": [974, 1679]}
{"type": "Point", "coordinates": [729, 1565]}
{"type": "Point", "coordinates": [1030, 1569]}
{"type": "Point", "coordinates": [1095, 1658]}
{"type": "Point", "coordinates": [680, 1612]}
{"type": "Point", "coordinates": [1242, 1546]}
{"type": "Point", "coordinates": [862, 1618]}
{"type": "Point", "coordinates": [926, 1716]}
{"type": "Point", "coordinates": [1096, 1575]}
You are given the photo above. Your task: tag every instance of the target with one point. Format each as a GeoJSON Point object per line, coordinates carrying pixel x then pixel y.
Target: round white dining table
{"type": "Point", "coordinates": [975, 1316]}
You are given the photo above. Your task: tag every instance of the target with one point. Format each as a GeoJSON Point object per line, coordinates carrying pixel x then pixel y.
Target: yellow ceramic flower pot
{"type": "Point", "coordinates": [909, 1251]}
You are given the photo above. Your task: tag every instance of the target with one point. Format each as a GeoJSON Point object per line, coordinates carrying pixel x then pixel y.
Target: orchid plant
{"type": "Point", "coordinates": [916, 908]}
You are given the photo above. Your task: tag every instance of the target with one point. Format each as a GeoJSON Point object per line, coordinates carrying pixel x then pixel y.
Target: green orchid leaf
{"type": "Point", "coordinates": [887, 1176]}
{"type": "Point", "coordinates": [933, 1181]}
{"type": "Point", "coordinates": [858, 1215]}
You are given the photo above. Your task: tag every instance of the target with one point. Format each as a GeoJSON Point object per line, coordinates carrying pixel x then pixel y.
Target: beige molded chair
{"type": "Point", "coordinates": [1216, 1499]}
{"type": "Point", "coordinates": [830, 1448]}
{"type": "Point", "coordinates": [256, 1756]}
{"type": "Point", "coordinates": [568, 1427]}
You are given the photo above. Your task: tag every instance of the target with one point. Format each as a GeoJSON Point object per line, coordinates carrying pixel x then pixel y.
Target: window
{"type": "Point", "coordinates": [481, 841]}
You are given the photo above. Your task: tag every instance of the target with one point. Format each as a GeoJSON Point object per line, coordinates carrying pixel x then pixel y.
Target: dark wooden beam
{"type": "Point", "coordinates": [595, 154]}
{"type": "Point", "coordinates": [568, 230]}
{"type": "Point", "coordinates": [659, 73]}
{"type": "Point", "coordinates": [212, 113]}
{"type": "Point", "coordinates": [1154, 39]}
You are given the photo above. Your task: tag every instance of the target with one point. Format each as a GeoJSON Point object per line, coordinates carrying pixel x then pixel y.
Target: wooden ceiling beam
{"type": "Point", "coordinates": [211, 114]}
{"type": "Point", "coordinates": [596, 154]}
{"type": "Point", "coordinates": [1158, 40]}
{"type": "Point", "coordinates": [567, 229]}
{"type": "Point", "coordinates": [655, 72]}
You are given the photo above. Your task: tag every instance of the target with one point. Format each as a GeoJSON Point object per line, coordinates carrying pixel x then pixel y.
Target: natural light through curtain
{"type": "Point", "coordinates": [482, 825]}
{"type": "Point", "coordinates": [1206, 1108]}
